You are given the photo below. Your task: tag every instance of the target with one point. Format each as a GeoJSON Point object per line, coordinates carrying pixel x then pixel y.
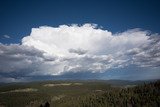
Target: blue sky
{"type": "Point", "coordinates": [18, 17]}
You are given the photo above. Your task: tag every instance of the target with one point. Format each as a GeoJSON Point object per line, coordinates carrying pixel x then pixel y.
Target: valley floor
{"type": "Point", "coordinates": [80, 94]}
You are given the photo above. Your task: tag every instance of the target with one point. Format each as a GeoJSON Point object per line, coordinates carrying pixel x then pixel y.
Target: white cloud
{"type": "Point", "coordinates": [6, 36]}
{"type": "Point", "coordinates": [57, 50]}
{"type": "Point", "coordinates": [147, 55]}
{"type": "Point", "coordinates": [57, 41]}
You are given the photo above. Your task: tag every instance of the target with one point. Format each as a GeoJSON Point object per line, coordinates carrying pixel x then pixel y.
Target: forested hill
{"type": "Point", "coordinates": [146, 95]}
{"type": "Point", "coordinates": [81, 94]}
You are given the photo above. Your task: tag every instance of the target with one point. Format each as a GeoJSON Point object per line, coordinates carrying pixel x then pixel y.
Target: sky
{"type": "Point", "coordinates": [79, 39]}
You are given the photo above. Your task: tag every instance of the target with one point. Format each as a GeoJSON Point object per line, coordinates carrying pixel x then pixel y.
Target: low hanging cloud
{"type": "Point", "coordinates": [87, 48]}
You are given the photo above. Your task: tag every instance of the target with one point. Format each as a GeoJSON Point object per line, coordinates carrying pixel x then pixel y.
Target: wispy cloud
{"type": "Point", "coordinates": [6, 36]}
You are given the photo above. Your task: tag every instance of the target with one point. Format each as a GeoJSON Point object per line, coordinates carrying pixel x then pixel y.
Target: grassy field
{"type": "Point", "coordinates": [79, 94]}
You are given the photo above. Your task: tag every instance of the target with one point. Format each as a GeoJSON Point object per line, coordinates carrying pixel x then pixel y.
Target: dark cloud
{"type": "Point", "coordinates": [16, 58]}
{"type": "Point", "coordinates": [78, 51]}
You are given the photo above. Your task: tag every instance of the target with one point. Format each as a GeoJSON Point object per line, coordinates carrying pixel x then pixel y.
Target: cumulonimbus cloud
{"type": "Point", "coordinates": [58, 50]}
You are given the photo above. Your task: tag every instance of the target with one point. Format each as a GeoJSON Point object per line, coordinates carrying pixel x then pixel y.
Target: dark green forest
{"type": "Point", "coordinates": [81, 94]}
